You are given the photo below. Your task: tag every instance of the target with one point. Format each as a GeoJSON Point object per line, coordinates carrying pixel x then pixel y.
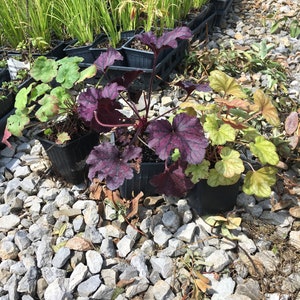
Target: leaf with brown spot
{"type": "Point", "coordinates": [295, 212]}
{"type": "Point", "coordinates": [79, 244]}
{"type": "Point", "coordinates": [291, 123]}
{"type": "Point", "coordinates": [135, 205]}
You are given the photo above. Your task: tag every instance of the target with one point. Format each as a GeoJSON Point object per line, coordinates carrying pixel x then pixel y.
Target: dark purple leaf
{"type": "Point", "coordinates": [109, 164]}
{"type": "Point", "coordinates": [189, 87]}
{"type": "Point", "coordinates": [87, 103]}
{"type": "Point", "coordinates": [168, 38]}
{"type": "Point", "coordinates": [128, 78]}
{"type": "Point", "coordinates": [173, 181]}
{"type": "Point", "coordinates": [107, 59]}
{"type": "Point", "coordinates": [185, 133]}
{"type": "Point", "coordinates": [111, 91]}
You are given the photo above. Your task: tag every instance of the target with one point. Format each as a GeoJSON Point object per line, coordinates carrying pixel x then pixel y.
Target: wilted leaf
{"type": "Point", "coordinates": [262, 103]}
{"type": "Point", "coordinates": [96, 189]}
{"type": "Point", "coordinates": [295, 212]}
{"type": "Point", "coordinates": [221, 82]}
{"type": "Point", "coordinates": [254, 266]}
{"type": "Point", "coordinates": [291, 123]}
{"type": "Point", "coordinates": [282, 204]}
{"type": "Point", "coordinates": [134, 205]}
{"type": "Point", "coordinates": [259, 182]}
{"type": "Point", "coordinates": [79, 244]}
{"type": "Point", "coordinates": [202, 282]}
{"type": "Point", "coordinates": [124, 282]}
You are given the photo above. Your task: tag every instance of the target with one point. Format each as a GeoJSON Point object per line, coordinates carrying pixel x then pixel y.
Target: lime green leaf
{"type": "Point", "coordinates": [259, 182]}
{"type": "Point", "coordinates": [67, 75]}
{"type": "Point", "coordinates": [250, 134]}
{"type": "Point", "coordinates": [88, 72]}
{"type": "Point", "coordinates": [221, 82]}
{"type": "Point", "coordinates": [231, 164]}
{"type": "Point", "coordinates": [44, 69]}
{"type": "Point", "coordinates": [225, 232]}
{"type": "Point", "coordinates": [199, 171]}
{"type": "Point", "coordinates": [62, 138]}
{"type": "Point", "coordinates": [63, 97]}
{"type": "Point", "coordinates": [39, 90]}
{"type": "Point", "coordinates": [219, 135]}
{"type": "Point", "coordinates": [215, 178]}
{"type": "Point", "coordinates": [16, 123]}
{"type": "Point", "coordinates": [263, 104]}
{"type": "Point", "coordinates": [264, 150]}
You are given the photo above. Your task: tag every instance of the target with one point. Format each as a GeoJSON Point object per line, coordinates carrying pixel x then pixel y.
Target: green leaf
{"type": "Point", "coordinates": [219, 135]}
{"type": "Point", "coordinates": [48, 109]}
{"type": "Point", "coordinates": [16, 123]}
{"type": "Point", "coordinates": [264, 150]}
{"type": "Point", "coordinates": [22, 97]}
{"type": "Point", "coordinates": [259, 182]}
{"type": "Point", "coordinates": [250, 134]}
{"type": "Point", "coordinates": [44, 69]}
{"type": "Point", "coordinates": [63, 97]}
{"type": "Point", "coordinates": [221, 82]}
{"type": "Point", "coordinates": [295, 29]}
{"type": "Point", "coordinates": [39, 90]}
{"type": "Point", "coordinates": [68, 74]}
{"type": "Point", "coordinates": [199, 171]}
{"type": "Point", "coordinates": [88, 72]}
{"type": "Point", "coordinates": [231, 164]}
{"type": "Point", "coordinates": [215, 179]}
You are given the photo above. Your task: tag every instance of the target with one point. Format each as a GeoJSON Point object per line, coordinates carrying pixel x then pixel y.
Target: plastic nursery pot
{"type": "Point", "coordinates": [206, 199]}
{"type": "Point", "coordinates": [83, 51]}
{"type": "Point", "coordinates": [221, 7]}
{"type": "Point", "coordinates": [69, 160]}
{"type": "Point", "coordinates": [140, 181]}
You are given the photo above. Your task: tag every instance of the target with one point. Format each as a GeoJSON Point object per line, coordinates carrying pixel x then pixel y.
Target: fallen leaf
{"type": "Point", "coordinates": [282, 204]}
{"type": "Point", "coordinates": [152, 200]}
{"type": "Point", "coordinates": [295, 212]}
{"type": "Point", "coordinates": [123, 282]}
{"type": "Point", "coordinates": [79, 244]}
{"type": "Point", "coordinates": [135, 205]}
{"type": "Point", "coordinates": [254, 266]}
{"type": "Point", "coordinates": [202, 282]}
{"type": "Point", "coordinates": [96, 189]}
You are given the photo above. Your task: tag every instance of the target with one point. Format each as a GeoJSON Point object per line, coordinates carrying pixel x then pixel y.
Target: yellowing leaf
{"type": "Point", "coordinates": [202, 282]}
{"type": "Point", "coordinates": [233, 222]}
{"type": "Point", "coordinates": [231, 164]}
{"type": "Point", "coordinates": [262, 103]}
{"type": "Point", "coordinates": [215, 220]}
{"type": "Point", "coordinates": [88, 72]}
{"type": "Point", "coordinates": [265, 151]}
{"type": "Point", "coordinates": [221, 82]}
{"type": "Point", "coordinates": [215, 178]}
{"type": "Point", "coordinates": [62, 138]}
{"type": "Point", "coordinates": [259, 182]}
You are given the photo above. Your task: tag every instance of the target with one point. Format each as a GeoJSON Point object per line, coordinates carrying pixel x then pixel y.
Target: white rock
{"type": "Point", "coordinates": [217, 261]}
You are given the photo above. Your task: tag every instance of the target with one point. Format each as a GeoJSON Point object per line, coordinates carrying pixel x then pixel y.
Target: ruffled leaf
{"type": "Point", "coordinates": [44, 69]}
{"type": "Point", "coordinates": [107, 59]}
{"type": "Point", "coordinates": [265, 151]}
{"type": "Point", "coordinates": [198, 171]}
{"type": "Point", "coordinates": [259, 182]}
{"type": "Point", "coordinates": [185, 134]}
{"type": "Point", "coordinates": [109, 164]}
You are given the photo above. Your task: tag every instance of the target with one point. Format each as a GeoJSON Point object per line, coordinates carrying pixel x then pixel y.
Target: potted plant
{"type": "Point", "coordinates": [196, 144]}
{"type": "Point", "coordinates": [49, 102]}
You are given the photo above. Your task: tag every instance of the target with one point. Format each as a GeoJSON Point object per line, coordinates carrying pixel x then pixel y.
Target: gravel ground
{"type": "Point", "coordinates": [59, 242]}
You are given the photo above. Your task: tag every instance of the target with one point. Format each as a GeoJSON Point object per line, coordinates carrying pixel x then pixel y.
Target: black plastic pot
{"type": "Point", "coordinates": [221, 7]}
{"type": "Point", "coordinates": [83, 51]}
{"type": "Point", "coordinates": [69, 160]}
{"type": "Point", "coordinates": [206, 199]}
{"type": "Point", "coordinates": [140, 181]}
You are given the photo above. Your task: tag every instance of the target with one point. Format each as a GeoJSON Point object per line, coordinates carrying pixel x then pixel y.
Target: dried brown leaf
{"type": "Point", "coordinates": [295, 212]}
{"type": "Point", "coordinates": [153, 200]}
{"type": "Point", "coordinates": [124, 282]}
{"type": "Point", "coordinates": [135, 205]}
{"type": "Point", "coordinates": [282, 204]}
{"type": "Point", "coordinates": [254, 266]}
{"type": "Point", "coordinates": [96, 189]}
{"type": "Point", "coordinates": [79, 244]}
{"type": "Point", "coordinates": [291, 123]}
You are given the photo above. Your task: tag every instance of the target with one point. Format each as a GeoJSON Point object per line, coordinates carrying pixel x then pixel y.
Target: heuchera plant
{"type": "Point", "coordinates": [100, 109]}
